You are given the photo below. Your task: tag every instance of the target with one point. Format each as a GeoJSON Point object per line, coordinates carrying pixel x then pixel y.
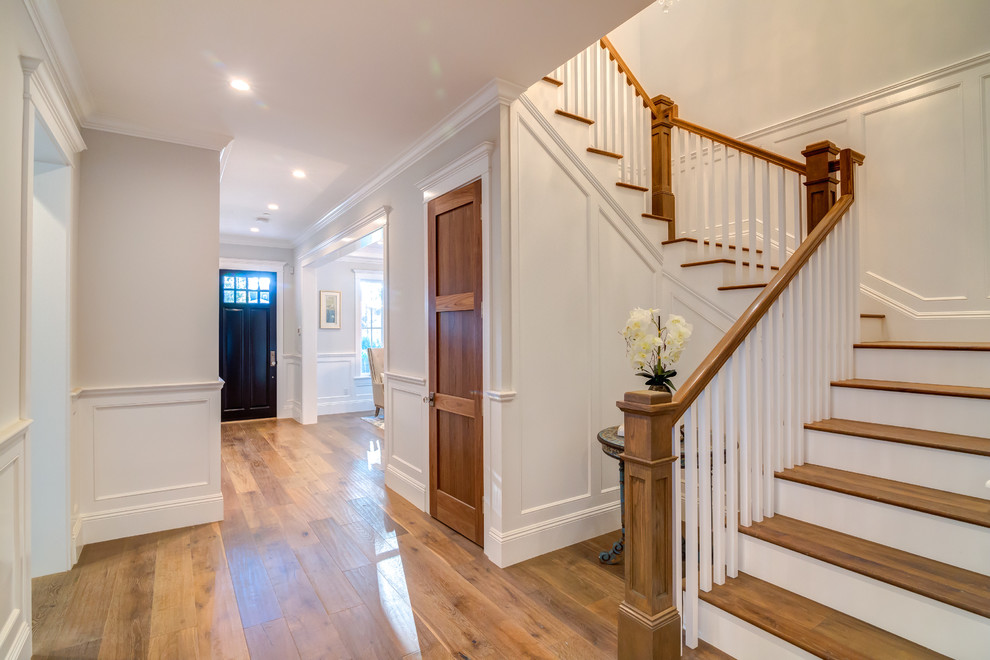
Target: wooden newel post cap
{"type": "Point", "coordinates": [648, 397]}
{"type": "Point", "coordinates": [822, 147]}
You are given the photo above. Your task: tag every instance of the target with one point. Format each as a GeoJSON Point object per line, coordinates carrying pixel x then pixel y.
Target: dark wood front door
{"type": "Point", "coordinates": [456, 457]}
{"type": "Point", "coordinates": [247, 344]}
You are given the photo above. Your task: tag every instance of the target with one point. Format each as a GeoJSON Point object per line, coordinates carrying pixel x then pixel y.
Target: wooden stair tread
{"type": "Point", "coordinates": [654, 216]}
{"type": "Point", "coordinates": [968, 444]}
{"type": "Point", "coordinates": [945, 583]}
{"type": "Point", "coordinates": [735, 287]}
{"type": "Point", "coordinates": [553, 81]}
{"type": "Point", "coordinates": [688, 239]}
{"type": "Point", "coordinates": [809, 625]}
{"type": "Point", "coordinates": [571, 115]}
{"type": "Point", "coordinates": [964, 508]}
{"type": "Point", "coordinates": [915, 388]}
{"type": "Point", "coordinates": [602, 152]}
{"type": "Point", "coordinates": [721, 260]}
{"type": "Point", "coordinates": [927, 345]}
{"type": "Point", "coordinates": [705, 651]}
{"type": "Point", "coordinates": [631, 186]}
{"type": "Point", "coordinates": [872, 316]}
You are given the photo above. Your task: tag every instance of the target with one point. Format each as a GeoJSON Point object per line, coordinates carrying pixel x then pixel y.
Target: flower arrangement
{"type": "Point", "coordinates": [653, 348]}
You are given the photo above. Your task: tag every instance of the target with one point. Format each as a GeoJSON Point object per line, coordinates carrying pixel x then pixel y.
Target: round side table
{"type": "Point", "coordinates": [613, 445]}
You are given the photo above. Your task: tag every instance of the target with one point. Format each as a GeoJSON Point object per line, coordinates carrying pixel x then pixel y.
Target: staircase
{"type": "Point", "coordinates": [880, 542]}
{"type": "Point", "coordinates": [849, 515]}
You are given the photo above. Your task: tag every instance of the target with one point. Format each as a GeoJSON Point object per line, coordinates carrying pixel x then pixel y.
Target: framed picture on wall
{"type": "Point", "coordinates": [330, 309]}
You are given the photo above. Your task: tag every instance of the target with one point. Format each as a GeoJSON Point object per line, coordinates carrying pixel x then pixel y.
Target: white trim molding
{"type": "Point", "coordinates": [405, 378]}
{"type": "Point", "coordinates": [334, 242]}
{"type": "Point", "coordinates": [15, 631]}
{"type": "Point", "coordinates": [514, 546]}
{"type": "Point", "coordinates": [147, 460]}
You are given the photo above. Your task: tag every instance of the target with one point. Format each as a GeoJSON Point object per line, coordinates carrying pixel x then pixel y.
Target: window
{"type": "Point", "coordinates": [246, 288]}
{"type": "Point", "coordinates": [370, 294]}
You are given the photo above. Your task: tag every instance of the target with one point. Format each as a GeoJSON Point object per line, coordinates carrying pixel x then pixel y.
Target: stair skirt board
{"type": "Point", "coordinates": [951, 471]}
{"type": "Point", "coordinates": [948, 541]}
{"type": "Point", "coordinates": [743, 640]}
{"type": "Point", "coordinates": [920, 411]}
{"type": "Point", "coordinates": [940, 627]}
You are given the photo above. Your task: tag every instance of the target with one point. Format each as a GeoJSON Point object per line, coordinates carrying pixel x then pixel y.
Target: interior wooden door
{"type": "Point", "coordinates": [456, 439]}
{"type": "Point", "coordinates": [247, 345]}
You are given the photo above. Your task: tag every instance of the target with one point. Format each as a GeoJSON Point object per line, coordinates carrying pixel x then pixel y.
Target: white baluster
{"type": "Point", "coordinates": [718, 478]}
{"type": "Point", "coordinates": [737, 213]}
{"type": "Point", "coordinates": [781, 216]}
{"type": "Point", "coordinates": [699, 218]}
{"type": "Point", "coordinates": [732, 390]}
{"type": "Point", "coordinates": [704, 408]}
{"type": "Point", "coordinates": [744, 405]}
{"type": "Point", "coordinates": [767, 219]}
{"type": "Point", "coordinates": [792, 433]}
{"type": "Point", "coordinates": [751, 210]}
{"type": "Point", "coordinates": [756, 426]}
{"type": "Point", "coordinates": [691, 527]}
{"type": "Point", "coordinates": [770, 419]}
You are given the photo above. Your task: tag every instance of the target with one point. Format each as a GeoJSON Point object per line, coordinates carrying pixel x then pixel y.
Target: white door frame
{"type": "Point", "coordinates": [336, 246]}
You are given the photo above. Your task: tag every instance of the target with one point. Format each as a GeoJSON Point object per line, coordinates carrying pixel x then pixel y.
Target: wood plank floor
{"type": "Point", "coordinates": [315, 558]}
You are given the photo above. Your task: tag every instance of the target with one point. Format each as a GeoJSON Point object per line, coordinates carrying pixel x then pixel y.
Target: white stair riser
{"type": "Point", "coordinates": [943, 628]}
{"type": "Point", "coordinates": [941, 539]}
{"type": "Point", "coordinates": [545, 97]}
{"type": "Point", "coordinates": [742, 640]}
{"type": "Point", "coordinates": [576, 134]}
{"type": "Point", "coordinates": [872, 330]}
{"type": "Point", "coordinates": [971, 368]}
{"type": "Point", "coordinates": [921, 411]}
{"type": "Point", "coordinates": [933, 468]}
{"type": "Point", "coordinates": [633, 202]}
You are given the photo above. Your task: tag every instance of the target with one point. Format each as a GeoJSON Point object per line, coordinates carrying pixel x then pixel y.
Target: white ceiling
{"type": "Point", "coordinates": [339, 89]}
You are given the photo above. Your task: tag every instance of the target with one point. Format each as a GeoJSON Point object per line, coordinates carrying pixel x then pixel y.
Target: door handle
{"type": "Point", "coordinates": [431, 398]}
{"type": "Point", "coordinates": [271, 355]}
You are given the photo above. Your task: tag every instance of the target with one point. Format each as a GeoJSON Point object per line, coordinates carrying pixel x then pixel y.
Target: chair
{"type": "Point", "coordinates": [376, 356]}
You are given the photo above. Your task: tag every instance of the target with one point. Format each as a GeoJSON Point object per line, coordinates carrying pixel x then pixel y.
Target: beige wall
{"type": "Point", "coordinates": [739, 66]}
{"type": "Point", "coordinates": [147, 264]}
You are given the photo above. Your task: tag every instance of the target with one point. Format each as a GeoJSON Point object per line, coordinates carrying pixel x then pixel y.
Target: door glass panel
{"type": "Point", "coordinates": [228, 296]}
{"type": "Point", "coordinates": [242, 296]}
{"type": "Point", "coordinates": [264, 283]}
{"type": "Point", "coordinates": [241, 282]}
{"type": "Point", "coordinates": [264, 297]}
{"type": "Point", "coordinates": [228, 282]}
{"type": "Point", "coordinates": [252, 297]}
{"type": "Point", "coordinates": [253, 283]}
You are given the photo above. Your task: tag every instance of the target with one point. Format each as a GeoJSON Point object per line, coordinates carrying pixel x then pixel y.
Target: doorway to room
{"type": "Point", "coordinates": [248, 344]}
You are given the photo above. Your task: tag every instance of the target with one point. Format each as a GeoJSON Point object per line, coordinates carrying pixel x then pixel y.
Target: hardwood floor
{"type": "Point", "coordinates": [315, 558]}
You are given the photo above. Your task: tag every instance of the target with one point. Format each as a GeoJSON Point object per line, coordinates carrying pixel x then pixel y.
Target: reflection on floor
{"type": "Point", "coordinates": [316, 559]}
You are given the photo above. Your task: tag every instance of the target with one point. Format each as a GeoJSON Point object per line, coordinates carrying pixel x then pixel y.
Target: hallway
{"type": "Point", "coordinates": [316, 559]}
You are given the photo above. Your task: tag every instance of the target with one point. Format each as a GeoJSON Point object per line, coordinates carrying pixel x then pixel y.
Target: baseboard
{"type": "Point", "coordinates": [404, 485]}
{"type": "Point", "coordinates": [512, 547]}
{"type": "Point", "coordinates": [75, 546]}
{"type": "Point", "coordinates": [156, 517]}
{"type": "Point", "coordinates": [336, 407]}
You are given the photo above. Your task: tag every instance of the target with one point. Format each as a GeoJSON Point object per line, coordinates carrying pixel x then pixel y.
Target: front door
{"type": "Point", "coordinates": [454, 291]}
{"type": "Point", "coordinates": [247, 344]}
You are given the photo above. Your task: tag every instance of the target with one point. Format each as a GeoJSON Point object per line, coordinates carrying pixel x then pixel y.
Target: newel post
{"type": "Point", "coordinates": [819, 180]}
{"type": "Point", "coordinates": [663, 192]}
{"type": "Point", "coordinates": [649, 624]}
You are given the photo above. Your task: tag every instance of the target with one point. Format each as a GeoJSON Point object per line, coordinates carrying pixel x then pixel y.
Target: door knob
{"type": "Point", "coordinates": [271, 355]}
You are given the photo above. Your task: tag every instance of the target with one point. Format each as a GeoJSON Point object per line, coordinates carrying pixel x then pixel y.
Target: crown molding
{"type": "Point", "coordinates": [48, 23]}
{"type": "Point", "coordinates": [457, 170]}
{"type": "Point", "coordinates": [203, 140]}
{"type": "Point", "coordinates": [496, 92]}
{"type": "Point", "coordinates": [41, 88]}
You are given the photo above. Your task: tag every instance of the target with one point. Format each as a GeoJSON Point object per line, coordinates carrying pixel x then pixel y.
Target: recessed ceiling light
{"type": "Point", "coordinates": [240, 85]}
{"type": "Point", "coordinates": [299, 174]}
{"type": "Point", "coordinates": [347, 240]}
{"type": "Point", "coordinates": [273, 207]}
{"type": "Point", "coordinates": [255, 229]}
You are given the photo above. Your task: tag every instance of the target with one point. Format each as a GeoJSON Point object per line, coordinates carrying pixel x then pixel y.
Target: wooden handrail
{"type": "Point", "coordinates": [702, 376]}
{"type": "Point", "coordinates": [624, 68]}
{"type": "Point", "coordinates": [741, 146]}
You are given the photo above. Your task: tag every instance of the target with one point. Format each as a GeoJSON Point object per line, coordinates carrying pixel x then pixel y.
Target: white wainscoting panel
{"type": "Point", "coordinates": [339, 388]}
{"type": "Point", "coordinates": [579, 265]}
{"type": "Point", "coordinates": [925, 230]}
{"type": "Point", "coordinates": [15, 551]}
{"type": "Point", "coordinates": [148, 459]}
{"type": "Point", "coordinates": [407, 466]}
{"type": "Point", "coordinates": [293, 375]}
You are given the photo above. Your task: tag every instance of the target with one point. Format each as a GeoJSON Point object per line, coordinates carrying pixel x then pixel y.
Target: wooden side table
{"type": "Point", "coordinates": [613, 445]}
